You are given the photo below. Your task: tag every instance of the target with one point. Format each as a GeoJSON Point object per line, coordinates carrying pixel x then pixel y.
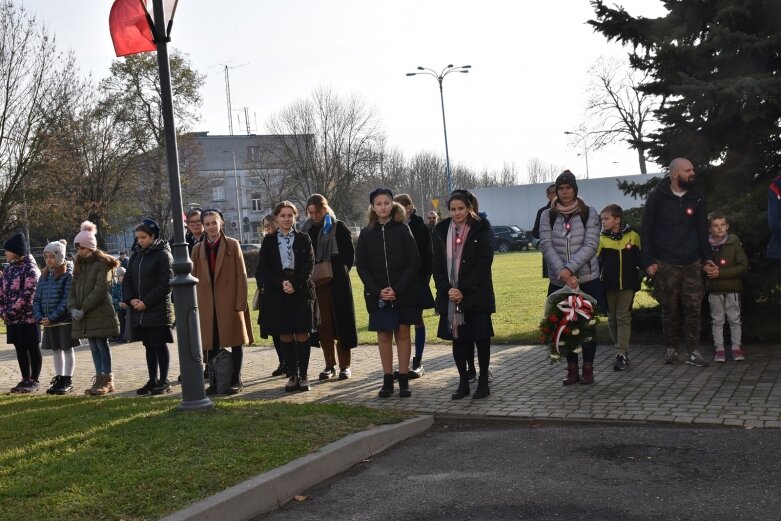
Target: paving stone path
{"type": "Point", "coordinates": [525, 385]}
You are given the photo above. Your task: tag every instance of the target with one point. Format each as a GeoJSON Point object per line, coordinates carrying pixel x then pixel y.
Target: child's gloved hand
{"type": "Point", "coordinates": [77, 314]}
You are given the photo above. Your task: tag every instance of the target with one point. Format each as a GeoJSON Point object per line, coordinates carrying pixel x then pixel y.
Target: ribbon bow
{"type": "Point", "coordinates": [572, 306]}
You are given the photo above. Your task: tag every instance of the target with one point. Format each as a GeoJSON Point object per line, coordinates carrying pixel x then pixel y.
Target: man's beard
{"type": "Point", "coordinates": [688, 184]}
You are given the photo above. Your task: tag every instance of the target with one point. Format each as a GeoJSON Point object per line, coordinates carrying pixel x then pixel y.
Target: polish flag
{"type": "Point", "coordinates": [130, 28]}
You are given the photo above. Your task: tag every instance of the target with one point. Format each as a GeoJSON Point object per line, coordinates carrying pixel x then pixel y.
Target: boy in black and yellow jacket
{"type": "Point", "coordinates": [620, 264]}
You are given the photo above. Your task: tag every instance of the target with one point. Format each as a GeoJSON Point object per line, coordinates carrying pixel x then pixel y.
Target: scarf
{"type": "Point", "coordinates": [326, 239]}
{"type": "Point", "coordinates": [616, 236]}
{"type": "Point", "coordinates": [716, 243]}
{"type": "Point", "coordinates": [211, 252]}
{"type": "Point", "coordinates": [455, 247]}
{"type": "Point", "coordinates": [567, 211]}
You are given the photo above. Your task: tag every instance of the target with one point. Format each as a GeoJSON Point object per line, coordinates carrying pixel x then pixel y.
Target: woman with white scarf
{"type": "Point", "coordinates": [463, 255]}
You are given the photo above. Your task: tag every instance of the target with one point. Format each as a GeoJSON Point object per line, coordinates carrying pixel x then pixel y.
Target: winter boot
{"type": "Point", "coordinates": [387, 386]}
{"type": "Point", "coordinates": [55, 384]}
{"type": "Point", "coordinates": [588, 373]}
{"type": "Point", "coordinates": [573, 376]}
{"type": "Point", "coordinates": [106, 385]}
{"type": "Point", "coordinates": [96, 382]}
{"type": "Point", "coordinates": [66, 385]}
{"type": "Point", "coordinates": [417, 368]}
{"type": "Point", "coordinates": [463, 388]}
{"type": "Point", "coordinates": [404, 390]}
{"type": "Point", "coordinates": [482, 390]}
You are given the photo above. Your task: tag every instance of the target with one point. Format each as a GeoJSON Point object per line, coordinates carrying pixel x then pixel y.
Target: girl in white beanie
{"type": "Point", "coordinates": [50, 308]}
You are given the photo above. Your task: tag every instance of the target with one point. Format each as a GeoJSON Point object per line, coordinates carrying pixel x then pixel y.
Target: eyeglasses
{"type": "Point", "coordinates": [194, 222]}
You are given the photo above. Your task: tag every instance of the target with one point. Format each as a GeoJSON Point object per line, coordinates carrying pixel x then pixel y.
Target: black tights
{"type": "Point", "coordinates": [157, 357]}
{"type": "Point", "coordinates": [589, 352]}
{"type": "Point", "coordinates": [297, 355]}
{"type": "Point", "coordinates": [463, 351]}
{"type": "Point", "coordinates": [30, 360]}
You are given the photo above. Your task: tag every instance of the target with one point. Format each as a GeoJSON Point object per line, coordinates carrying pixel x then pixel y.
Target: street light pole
{"type": "Point", "coordinates": [238, 200]}
{"type": "Point", "coordinates": [582, 136]}
{"type": "Point", "coordinates": [440, 77]}
{"type": "Point", "coordinates": [188, 328]}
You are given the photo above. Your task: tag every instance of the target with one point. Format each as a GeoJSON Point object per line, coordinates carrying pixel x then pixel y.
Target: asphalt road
{"type": "Point", "coordinates": [559, 472]}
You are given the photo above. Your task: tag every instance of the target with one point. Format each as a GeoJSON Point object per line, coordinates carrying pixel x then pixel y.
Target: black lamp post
{"type": "Point", "coordinates": [440, 77]}
{"type": "Point", "coordinates": [188, 328]}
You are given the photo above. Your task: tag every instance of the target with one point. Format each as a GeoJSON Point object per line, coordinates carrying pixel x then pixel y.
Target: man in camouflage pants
{"type": "Point", "coordinates": [675, 248]}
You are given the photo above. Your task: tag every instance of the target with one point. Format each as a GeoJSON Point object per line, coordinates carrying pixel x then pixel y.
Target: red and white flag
{"type": "Point", "coordinates": [130, 29]}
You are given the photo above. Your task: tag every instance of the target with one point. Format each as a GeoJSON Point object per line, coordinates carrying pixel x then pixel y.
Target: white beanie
{"type": "Point", "coordinates": [86, 237]}
{"type": "Point", "coordinates": [57, 248]}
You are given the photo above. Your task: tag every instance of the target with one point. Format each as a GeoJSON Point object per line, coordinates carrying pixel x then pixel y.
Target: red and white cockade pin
{"type": "Point", "coordinates": [723, 262]}
{"type": "Point", "coordinates": [458, 239]}
{"type": "Point", "coordinates": [690, 211]}
{"type": "Point", "coordinates": [567, 226]}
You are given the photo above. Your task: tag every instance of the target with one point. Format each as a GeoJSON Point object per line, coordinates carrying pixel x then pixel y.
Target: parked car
{"type": "Point", "coordinates": [508, 238]}
{"type": "Point", "coordinates": [246, 248]}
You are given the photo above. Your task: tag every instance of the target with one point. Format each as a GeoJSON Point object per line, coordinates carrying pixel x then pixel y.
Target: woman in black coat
{"type": "Point", "coordinates": [387, 260]}
{"type": "Point", "coordinates": [463, 255]}
{"type": "Point", "coordinates": [285, 267]}
{"type": "Point", "coordinates": [146, 289]}
{"type": "Point", "coordinates": [332, 242]}
{"type": "Point", "coordinates": [422, 234]}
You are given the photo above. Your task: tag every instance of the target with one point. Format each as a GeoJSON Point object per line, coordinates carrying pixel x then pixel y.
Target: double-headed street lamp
{"type": "Point", "coordinates": [584, 137]}
{"type": "Point", "coordinates": [440, 77]}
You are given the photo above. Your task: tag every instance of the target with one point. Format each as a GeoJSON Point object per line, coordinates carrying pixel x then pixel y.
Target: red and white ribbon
{"type": "Point", "coordinates": [572, 306]}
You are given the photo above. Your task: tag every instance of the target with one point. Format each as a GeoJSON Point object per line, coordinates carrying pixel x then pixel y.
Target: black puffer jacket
{"type": "Point", "coordinates": [148, 278]}
{"type": "Point", "coordinates": [398, 269]}
{"type": "Point", "coordinates": [675, 229]}
{"type": "Point", "coordinates": [422, 236]}
{"type": "Point", "coordinates": [474, 275]}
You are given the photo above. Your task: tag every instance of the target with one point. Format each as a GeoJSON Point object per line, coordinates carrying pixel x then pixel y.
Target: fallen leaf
{"type": "Point", "coordinates": [367, 460]}
{"type": "Point", "coordinates": [299, 498]}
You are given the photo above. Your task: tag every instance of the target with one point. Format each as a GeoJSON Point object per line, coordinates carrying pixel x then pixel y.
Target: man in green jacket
{"type": "Point", "coordinates": [724, 283]}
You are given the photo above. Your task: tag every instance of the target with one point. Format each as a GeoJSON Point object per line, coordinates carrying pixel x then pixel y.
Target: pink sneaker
{"type": "Point", "coordinates": [720, 356]}
{"type": "Point", "coordinates": [738, 354]}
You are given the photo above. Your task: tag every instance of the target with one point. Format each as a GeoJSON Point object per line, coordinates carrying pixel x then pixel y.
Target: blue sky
{"type": "Point", "coordinates": [526, 87]}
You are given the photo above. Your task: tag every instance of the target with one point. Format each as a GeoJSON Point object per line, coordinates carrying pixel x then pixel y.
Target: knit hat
{"type": "Point", "coordinates": [120, 271]}
{"type": "Point", "coordinates": [16, 244]}
{"type": "Point", "coordinates": [566, 178]}
{"type": "Point", "coordinates": [86, 237]}
{"type": "Point", "coordinates": [153, 227]}
{"type": "Point", "coordinates": [57, 248]}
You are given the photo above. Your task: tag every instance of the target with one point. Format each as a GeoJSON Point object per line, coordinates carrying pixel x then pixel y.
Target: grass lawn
{"type": "Point", "coordinates": [520, 296]}
{"type": "Point", "coordinates": [73, 458]}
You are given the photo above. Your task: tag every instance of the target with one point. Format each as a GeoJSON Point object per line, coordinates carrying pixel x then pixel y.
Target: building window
{"type": "Point", "coordinates": [257, 205]}
{"type": "Point", "coordinates": [253, 153]}
{"type": "Point", "coordinates": [218, 193]}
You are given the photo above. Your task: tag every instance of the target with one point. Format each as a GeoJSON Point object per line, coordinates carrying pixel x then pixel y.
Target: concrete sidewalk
{"type": "Point", "coordinates": [525, 385]}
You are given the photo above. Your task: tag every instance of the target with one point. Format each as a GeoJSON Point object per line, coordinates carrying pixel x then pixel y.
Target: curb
{"type": "Point", "coordinates": [270, 490]}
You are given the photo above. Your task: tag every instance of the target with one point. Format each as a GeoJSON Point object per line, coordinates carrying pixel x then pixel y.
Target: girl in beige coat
{"type": "Point", "coordinates": [222, 295]}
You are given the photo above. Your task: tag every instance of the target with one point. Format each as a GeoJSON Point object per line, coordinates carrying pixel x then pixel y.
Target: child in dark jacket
{"type": "Point", "coordinates": [50, 308]}
{"type": "Point", "coordinates": [621, 272]}
{"type": "Point", "coordinates": [724, 283]}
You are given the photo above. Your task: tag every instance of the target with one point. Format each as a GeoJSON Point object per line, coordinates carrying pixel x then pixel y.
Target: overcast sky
{"type": "Point", "coordinates": [529, 60]}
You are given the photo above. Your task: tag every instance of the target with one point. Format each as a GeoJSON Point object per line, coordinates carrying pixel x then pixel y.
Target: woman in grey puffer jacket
{"type": "Point", "coordinates": [569, 237]}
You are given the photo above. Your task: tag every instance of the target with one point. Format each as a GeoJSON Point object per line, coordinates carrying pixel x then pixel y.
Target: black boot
{"type": "Point", "coordinates": [463, 388]}
{"type": "Point", "coordinates": [417, 368]}
{"type": "Point", "coordinates": [482, 390]}
{"type": "Point", "coordinates": [55, 385]}
{"type": "Point", "coordinates": [387, 386]}
{"type": "Point", "coordinates": [66, 385]}
{"type": "Point", "coordinates": [404, 391]}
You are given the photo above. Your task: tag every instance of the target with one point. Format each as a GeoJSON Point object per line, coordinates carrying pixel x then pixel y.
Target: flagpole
{"type": "Point", "coordinates": [188, 329]}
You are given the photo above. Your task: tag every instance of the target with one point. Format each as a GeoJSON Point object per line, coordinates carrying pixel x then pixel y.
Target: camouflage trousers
{"type": "Point", "coordinates": [676, 287]}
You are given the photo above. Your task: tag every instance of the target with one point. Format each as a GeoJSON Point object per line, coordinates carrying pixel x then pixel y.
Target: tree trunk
{"type": "Point", "coordinates": [641, 160]}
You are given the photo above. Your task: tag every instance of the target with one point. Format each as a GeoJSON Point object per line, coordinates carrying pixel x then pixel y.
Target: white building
{"type": "Point", "coordinates": [519, 204]}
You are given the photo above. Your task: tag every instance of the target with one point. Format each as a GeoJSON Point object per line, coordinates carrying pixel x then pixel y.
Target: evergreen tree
{"type": "Point", "coordinates": [717, 66]}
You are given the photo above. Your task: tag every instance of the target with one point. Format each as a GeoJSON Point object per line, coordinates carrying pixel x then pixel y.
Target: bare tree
{"type": "Point", "coordinates": [133, 89]}
{"type": "Point", "coordinates": [617, 107]}
{"type": "Point", "coordinates": [538, 171]}
{"type": "Point", "coordinates": [36, 83]}
{"type": "Point", "coordinates": [332, 143]}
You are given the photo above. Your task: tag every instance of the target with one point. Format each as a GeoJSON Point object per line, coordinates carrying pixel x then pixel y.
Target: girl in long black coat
{"type": "Point", "coordinates": [422, 235]}
{"type": "Point", "coordinates": [146, 289]}
{"type": "Point", "coordinates": [463, 255]}
{"type": "Point", "coordinates": [285, 266]}
{"type": "Point", "coordinates": [387, 260]}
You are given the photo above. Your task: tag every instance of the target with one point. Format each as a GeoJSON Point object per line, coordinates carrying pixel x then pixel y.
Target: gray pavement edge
{"type": "Point", "coordinates": [270, 490]}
